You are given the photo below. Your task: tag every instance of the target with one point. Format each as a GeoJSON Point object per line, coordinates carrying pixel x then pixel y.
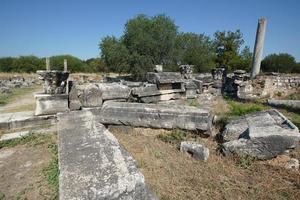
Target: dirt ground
{"type": "Point", "coordinates": [21, 171]}
{"type": "Point", "coordinates": [23, 102]}
{"type": "Point", "coordinates": [174, 175]}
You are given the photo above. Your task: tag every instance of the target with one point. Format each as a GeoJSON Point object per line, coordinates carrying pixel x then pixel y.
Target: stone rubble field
{"type": "Point", "coordinates": [174, 136]}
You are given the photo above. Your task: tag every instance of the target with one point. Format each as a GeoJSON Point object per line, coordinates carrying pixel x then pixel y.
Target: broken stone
{"type": "Point", "coordinates": [48, 104]}
{"type": "Point", "coordinates": [262, 135]}
{"type": "Point", "coordinates": [89, 96]}
{"type": "Point", "coordinates": [197, 151]}
{"type": "Point", "coordinates": [156, 116]}
{"type": "Point", "coordinates": [93, 165]}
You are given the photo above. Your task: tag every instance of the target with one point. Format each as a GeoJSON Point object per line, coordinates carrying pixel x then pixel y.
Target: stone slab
{"type": "Point", "coordinates": [12, 136]}
{"type": "Point", "coordinates": [295, 104]}
{"type": "Point", "coordinates": [48, 104]}
{"type": "Point", "coordinates": [93, 165]}
{"type": "Point", "coordinates": [24, 119]}
{"type": "Point", "coordinates": [156, 116]}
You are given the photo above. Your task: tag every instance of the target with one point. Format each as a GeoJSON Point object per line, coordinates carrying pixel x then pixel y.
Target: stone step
{"type": "Point", "coordinates": [92, 163]}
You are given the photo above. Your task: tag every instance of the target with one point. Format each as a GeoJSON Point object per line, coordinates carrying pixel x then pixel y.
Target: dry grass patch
{"type": "Point", "coordinates": [174, 175]}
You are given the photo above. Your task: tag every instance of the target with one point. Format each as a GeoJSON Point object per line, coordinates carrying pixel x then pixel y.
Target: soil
{"type": "Point", "coordinates": [21, 172]}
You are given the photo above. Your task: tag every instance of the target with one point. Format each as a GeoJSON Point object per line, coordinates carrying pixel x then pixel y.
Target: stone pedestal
{"type": "Point", "coordinates": [54, 81]}
{"type": "Point", "coordinates": [47, 104]}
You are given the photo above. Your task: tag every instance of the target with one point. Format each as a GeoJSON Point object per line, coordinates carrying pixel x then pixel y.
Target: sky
{"type": "Point", "coordinates": [53, 27]}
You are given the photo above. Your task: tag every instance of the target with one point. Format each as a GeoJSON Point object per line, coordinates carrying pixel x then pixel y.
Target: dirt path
{"type": "Point", "coordinates": [24, 102]}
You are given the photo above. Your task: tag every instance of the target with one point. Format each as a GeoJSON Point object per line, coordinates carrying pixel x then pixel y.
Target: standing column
{"type": "Point", "coordinates": [258, 48]}
{"type": "Point", "coordinates": [48, 64]}
{"type": "Point", "coordinates": [65, 65]}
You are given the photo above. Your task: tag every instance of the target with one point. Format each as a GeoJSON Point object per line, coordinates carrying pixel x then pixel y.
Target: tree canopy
{"type": "Point", "coordinates": [282, 62]}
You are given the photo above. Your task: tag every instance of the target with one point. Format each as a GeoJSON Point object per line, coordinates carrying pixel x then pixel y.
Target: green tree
{"type": "Point", "coordinates": [283, 62]}
{"type": "Point", "coordinates": [246, 59]}
{"type": "Point", "coordinates": [74, 64]}
{"type": "Point", "coordinates": [115, 54]}
{"type": "Point", "coordinates": [153, 37]}
{"type": "Point", "coordinates": [194, 49]}
{"type": "Point", "coordinates": [228, 46]}
{"type": "Point", "coordinates": [27, 64]}
{"type": "Point", "coordinates": [6, 64]}
{"type": "Point", "coordinates": [96, 65]}
{"type": "Point", "coordinates": [296, 69]}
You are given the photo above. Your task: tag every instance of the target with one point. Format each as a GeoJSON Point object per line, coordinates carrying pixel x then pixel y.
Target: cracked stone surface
{"type": "Point", "coordinates": [92, 163]}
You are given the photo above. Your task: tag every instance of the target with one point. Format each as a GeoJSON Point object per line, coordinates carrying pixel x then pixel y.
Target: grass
{"type": "Point", "coordinates": [2, 196]}
{"type": "Point", "coordinates": [174, 175]}
{"type": "Point", "coordinates": [16, 93]}
{"type": "Point", "coordinates": [245, 162]}
{"type": "Point", "coordinates": [26, 107]}
{"type": "Point", "coordinates": [240, 109]}
{"type": "Point", "coordinates": [51, 172]}
{"type": "Point", "coordinates": [193, 102]}
{"type": "Point", "coordinates": [32, 139]}
{"type": "Point", "coordinates": [175, 136]}
{"type": "Point", "coordinates": [294, 96]}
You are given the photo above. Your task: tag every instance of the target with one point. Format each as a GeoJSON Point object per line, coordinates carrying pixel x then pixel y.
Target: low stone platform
{"type": "Point", "coordinates": [156, 116]}
{"type": "Point", "coordinates": [24, 120]}
{"type": "Point", "coordinates": [92, 163]}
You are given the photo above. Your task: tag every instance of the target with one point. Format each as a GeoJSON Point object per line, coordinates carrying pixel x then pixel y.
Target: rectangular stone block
{"type": "Point", "coordinates": [47, 104]}
{"type": "Point", "coordinates": [93, 165]}
{"type": "Point", "coordinates": [24, 120]}
{"type": "Point", "coordinates": [156, 116]}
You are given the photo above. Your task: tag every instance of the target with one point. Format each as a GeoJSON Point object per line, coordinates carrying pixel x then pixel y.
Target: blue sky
{"type": "Point", "coordinates": [52, 27]}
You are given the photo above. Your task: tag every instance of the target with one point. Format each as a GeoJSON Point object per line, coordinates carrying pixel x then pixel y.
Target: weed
{"type": "Point", "coordinates": [294, 96]}
{"type": "Point", "coordinates": [173, 137]}
{"type": "Point", "coordinates": [239, 109]}
{"type": "Point", "coordinates": [244, 162]}
{"type": "Point", "coordinates": [51, 172]}
{"type": "Point", "coordinates": [279, 94]}
{"type": "Point", "coordinates": [2, 196]}
{"type": "Point", "coordinates": [193, 102]}
{"type": "Point", "coordinates": [157, 154]}
{"type": "Point", "coordinates": [19, 141]}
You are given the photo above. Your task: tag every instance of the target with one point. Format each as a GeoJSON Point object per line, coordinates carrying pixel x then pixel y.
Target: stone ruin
{"type": "Point", "coordinates": [93, 165]}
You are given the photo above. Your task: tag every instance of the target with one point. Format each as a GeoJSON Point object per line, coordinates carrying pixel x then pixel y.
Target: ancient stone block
{"type": "Point", "coordinates": [93, 165]}
{"type": "Point", "coordinates": [156, 116]}
{"type": "Point", "coordinates": [263, 135]}
{"type": "Point", "coordinates": [47, 104]}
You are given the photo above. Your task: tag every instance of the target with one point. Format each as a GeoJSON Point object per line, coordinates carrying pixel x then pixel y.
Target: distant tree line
{"type": "Point", "coordinates": [148, 41]}
{"type": "Point", "coordinates": [32, 64]}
